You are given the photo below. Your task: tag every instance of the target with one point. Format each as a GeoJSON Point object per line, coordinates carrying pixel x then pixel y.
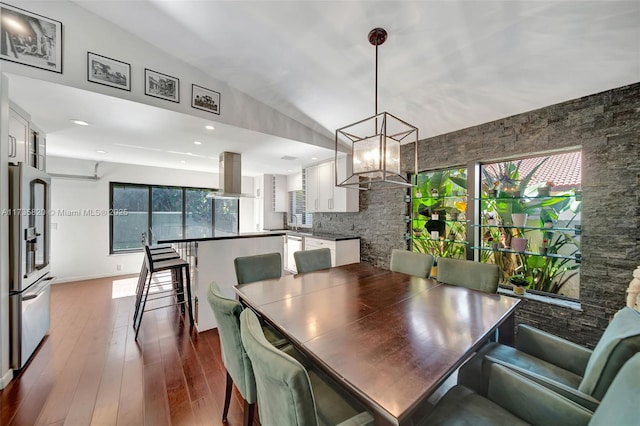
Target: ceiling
{"type": "Point", "coordinates": [446, 65]}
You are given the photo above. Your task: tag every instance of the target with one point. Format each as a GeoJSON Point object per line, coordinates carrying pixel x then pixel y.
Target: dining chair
{"type": "Point", "coordinates": [470, 274]}
{"type": "Point", "coordinates": [513, 399]}
{"type": "Point", "coordinates": [411, 263]}
{"type": "Point", "coordinates": [580, 374]}
{"type": "Point", "coordinates": [239, 372]}
{"type": "Point", "coordinates": [258, 267]}
{"type": "Point", "coordinates": [287, 394]}
{"type": "Point", "coordinates": [312, 260]}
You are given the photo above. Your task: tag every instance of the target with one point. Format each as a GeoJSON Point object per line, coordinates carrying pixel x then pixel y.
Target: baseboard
{"type": "Point", "coordinates": [4, 380]}
{"type": "Point", "coordinates": [91, 277]}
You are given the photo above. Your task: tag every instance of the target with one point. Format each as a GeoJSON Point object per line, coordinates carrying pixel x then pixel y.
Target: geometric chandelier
{"type": "Point", "coordinates": [374, 144]}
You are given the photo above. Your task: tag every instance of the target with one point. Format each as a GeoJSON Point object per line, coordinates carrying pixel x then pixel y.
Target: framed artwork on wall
{"type": "Point", "coordinates": [161, 86]}
{"type": "Point", "coordinates": [107, 71]}
{"type": "Point", "coordinates": [205, 99]}
{"type": "Point", "coordinates": [30, 39]}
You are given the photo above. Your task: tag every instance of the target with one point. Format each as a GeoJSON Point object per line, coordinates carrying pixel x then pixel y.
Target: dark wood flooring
{"type": "Point", "coordinates": [89, 370]}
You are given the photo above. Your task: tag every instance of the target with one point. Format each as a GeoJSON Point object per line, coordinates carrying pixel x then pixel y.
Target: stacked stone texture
{"type": "Point", "coordinates": [606, 126]}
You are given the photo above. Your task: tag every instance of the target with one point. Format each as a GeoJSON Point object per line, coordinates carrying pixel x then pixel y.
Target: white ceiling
{"type": "Point", "coordinates": [446, 65]}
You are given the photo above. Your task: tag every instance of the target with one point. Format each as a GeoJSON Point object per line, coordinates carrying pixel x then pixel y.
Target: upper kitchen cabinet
{"type": "Point", "coordinates": [321, 193]}
{"type": "Point", "coordinates": [26, 141]}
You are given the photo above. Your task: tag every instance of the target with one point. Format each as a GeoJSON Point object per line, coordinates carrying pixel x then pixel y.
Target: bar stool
{"type": "Point", "coordinates": [179, 279]}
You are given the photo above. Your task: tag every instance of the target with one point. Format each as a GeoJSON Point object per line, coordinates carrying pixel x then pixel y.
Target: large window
{"type": "Point", "coordinates": [525, 218]}
{"type": "Point", "coordinates": [165, 213]}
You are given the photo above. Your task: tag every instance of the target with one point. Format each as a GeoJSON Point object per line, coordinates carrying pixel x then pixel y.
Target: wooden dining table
{"type": "Point", "coordinates": [387, 338]}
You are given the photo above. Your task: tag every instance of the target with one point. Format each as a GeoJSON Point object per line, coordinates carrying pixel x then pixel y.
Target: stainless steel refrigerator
{"type": "Point", "coordinates": [29, 256]}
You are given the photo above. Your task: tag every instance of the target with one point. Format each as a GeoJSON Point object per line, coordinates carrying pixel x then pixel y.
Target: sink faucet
{"type": "Point", "coordinates": [295, 222]}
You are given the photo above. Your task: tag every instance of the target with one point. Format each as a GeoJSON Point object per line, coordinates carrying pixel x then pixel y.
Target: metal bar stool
{"type": "Point", "coordinates": [179, 281]}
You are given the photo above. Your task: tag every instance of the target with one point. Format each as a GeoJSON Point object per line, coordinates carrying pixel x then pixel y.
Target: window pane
{"type": "Point", "coordinates": [226, 216]}
{"type": "Point", "coordinates": [166, 220]}
{"type": "Point", "coordinates": [199, 216]}
{"type": "Point", "coordinates": [127, 229]}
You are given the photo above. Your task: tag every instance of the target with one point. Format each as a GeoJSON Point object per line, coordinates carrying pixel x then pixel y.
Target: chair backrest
{"type": "Point", "coordinates": [412, 263]}
{"type": "Point", "coordinates": [619, 342]}
{"type": "Point", "coordinates": [257, 268]}
{"type": "Point", "coordinates": [285, 397]}
{"type": "Point", "coordinates": [227, 314]}
{"type": "Point", "coordinates": [312, 260]}
{"type": "Point", "coordinates": [470, 274]}
{"type": "Point", "coordinates": [619, 406]}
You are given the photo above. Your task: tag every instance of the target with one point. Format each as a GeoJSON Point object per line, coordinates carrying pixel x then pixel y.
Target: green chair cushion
{"type": "Point", "coordinates": [466, 273]}
{"type": "Point", "coordinates": [620, 341]}
{"type": "Point", "coordinates": [312, 260]}
{"type": "Point", "coordinates": [257, 268]}
{"type": "Point", "coordinates": [461, 406]}
{"type": "Point", "coordinates": [411, 263]}
{"type": "Point", "coordinates": [619, 406]}
{"type": "Point", "coordinates": [474, 374]}
{"type": "Point", "coordinates": [227, 315]}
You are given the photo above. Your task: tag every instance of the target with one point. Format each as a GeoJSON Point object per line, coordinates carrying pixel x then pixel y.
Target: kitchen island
{"type": "Point", "coordinates": [212, 259]}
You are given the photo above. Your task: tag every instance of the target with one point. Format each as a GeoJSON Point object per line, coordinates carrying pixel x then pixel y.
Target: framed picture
{"type": "Point", "coordinates": [107, 71]}
{"type": "Point", "coordinates": [205, 99]}
{"type": "Point", "coordinates": [161, 86]}
{"type": "Point", "coordinates": [30, 39]}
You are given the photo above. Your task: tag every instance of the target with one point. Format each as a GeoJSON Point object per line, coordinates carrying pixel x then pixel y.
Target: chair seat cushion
{"type": "Point", "coordinates": [331, 408]}
{"type": "Point", "coordinates": [461, 406]}
{"type": "Point", "coordinates": [475, 377]}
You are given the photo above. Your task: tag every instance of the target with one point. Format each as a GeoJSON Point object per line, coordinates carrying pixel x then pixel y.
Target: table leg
{"type": "Point", "coordinates": [506, 331]}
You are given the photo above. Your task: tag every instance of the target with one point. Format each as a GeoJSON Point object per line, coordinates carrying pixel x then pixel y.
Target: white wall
{"type": "Point", "coordinates": [85, 32]}
{"type": "Point", "coordinates": [80, 244]}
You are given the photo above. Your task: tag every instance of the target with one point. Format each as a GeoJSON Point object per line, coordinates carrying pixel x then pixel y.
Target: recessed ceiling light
{"type": "Point", "coordinates": [189, 153]}
{"type": "Point", "coordinates": [197, 143]}
{"type": "Point", "coordinates": [209, 127]}
{"type": "Point", "coordinates": [100, 151]}
{"type": "Point", "coordinates": [79, 122]}
{"type": "Point", "coordinates": [289, 170]}
{"type": "Point", "coordinates": [183, 162]}
{"type": "Point", "coordinates": [314, 158]}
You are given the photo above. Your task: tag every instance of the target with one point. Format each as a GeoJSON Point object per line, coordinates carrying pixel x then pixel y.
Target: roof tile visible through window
{"type": "Point", "coordinates": [564, 170]}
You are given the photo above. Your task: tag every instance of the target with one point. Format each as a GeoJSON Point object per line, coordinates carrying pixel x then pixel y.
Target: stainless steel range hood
{"type": "Point", "coordinates": [230, 171]}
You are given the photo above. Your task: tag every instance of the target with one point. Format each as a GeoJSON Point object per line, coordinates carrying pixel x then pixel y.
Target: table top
{"type": "Point", "coordinates": [391, 339]}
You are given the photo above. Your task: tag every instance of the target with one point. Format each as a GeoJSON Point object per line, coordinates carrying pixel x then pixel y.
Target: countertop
{"type": "Point", "coordinates": [226, 236]}
{"type": "Point", "coordinates": [323, 235]}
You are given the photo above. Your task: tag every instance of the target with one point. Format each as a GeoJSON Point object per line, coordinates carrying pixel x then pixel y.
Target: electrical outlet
{"type": "Point", "coordinates": [119, 267]}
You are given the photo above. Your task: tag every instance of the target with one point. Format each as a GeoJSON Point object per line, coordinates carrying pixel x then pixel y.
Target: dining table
{"type": "Point", "coordinates": [386, 338]}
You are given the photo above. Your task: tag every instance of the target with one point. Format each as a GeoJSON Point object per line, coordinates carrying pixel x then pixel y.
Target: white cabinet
{"type": "Point", "coordinates": [293, 244]}
{"type": "Point", "coordinates": [279, 196]}
{"type": "Point", "coordinates": [343, 252]}
{"type": "Point", "coordinates": [271, 219]}
{"type": "Point", "coordinates": [18, 136]}
{"type": "Point", "coordinates": [321, 193]}
{"type": "Point", "coordinates": [27, 143]}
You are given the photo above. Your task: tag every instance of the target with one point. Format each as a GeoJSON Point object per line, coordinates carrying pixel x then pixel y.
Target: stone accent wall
{"type": "Point", "coordinates": [607, 128]}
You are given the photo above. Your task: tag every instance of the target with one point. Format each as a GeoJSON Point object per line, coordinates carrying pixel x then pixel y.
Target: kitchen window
{"type": "Point", "coordinates": [167, 212]}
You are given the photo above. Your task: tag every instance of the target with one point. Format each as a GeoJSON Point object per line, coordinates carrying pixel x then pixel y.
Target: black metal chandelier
{"type": "Point", "coordinates": [374, 144]}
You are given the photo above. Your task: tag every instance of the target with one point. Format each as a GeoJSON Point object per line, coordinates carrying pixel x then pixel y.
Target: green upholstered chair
{"type": "Point", "coordinates": [466, 273]}
{"type": "Point", "coordinates": [513, 399]}
{"type": "Point", "coordinates": [227, 314]}
{"type": "Point", "coordinates": [288, 395]}
{"type": "Point", "coordinates": [576, 372]}
{"type": "Point", "coordinates": [312, 260]}
{"type": "Point", "coordinates": [257, 268]}
{"type": "Point", "coordinates": [411, 263]}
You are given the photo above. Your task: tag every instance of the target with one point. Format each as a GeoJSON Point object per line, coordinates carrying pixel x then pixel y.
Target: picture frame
{"type": "Point", "coordinates": [161, 86]}
{"type": "Point", "coordinates": [205, 99]}
{"type": "Point", "coordinates": [108, 71]}
{"type": "Point", "coordinates": [30, 39]}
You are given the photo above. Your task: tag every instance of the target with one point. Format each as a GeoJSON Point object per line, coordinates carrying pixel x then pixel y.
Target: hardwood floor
{"type": "Point", "coordinates": [89, 370]}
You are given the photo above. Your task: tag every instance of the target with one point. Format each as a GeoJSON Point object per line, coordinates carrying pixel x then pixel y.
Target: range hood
{"type": "Point", "coordinates": [230, 171]}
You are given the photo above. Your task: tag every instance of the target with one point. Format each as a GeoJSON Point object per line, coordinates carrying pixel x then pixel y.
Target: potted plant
{"type": "Point", "coordinates": [519, 283]}
{"type": "Point", "coordinates": [417, 232]}
{"type": "Point", "coordinates": [543, 247]}
{"type": "Point", "coordinates": [519, 244]}
{"type": "Point", "coordinates": [491, 219]}
{"type": "Point", "coordinates": [493, 192]}
{"type": "Point", "coordinates": [545, 191]}
{"type": "Point", "coordinates": [453, 213]}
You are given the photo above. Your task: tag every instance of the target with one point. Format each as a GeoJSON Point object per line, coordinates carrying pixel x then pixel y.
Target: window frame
{"type": "Point", "coordinates": [149, 189]}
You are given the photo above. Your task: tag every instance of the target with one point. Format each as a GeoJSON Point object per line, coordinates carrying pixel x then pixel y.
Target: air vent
{"type": "Point", "coordinates": [288, 157]}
